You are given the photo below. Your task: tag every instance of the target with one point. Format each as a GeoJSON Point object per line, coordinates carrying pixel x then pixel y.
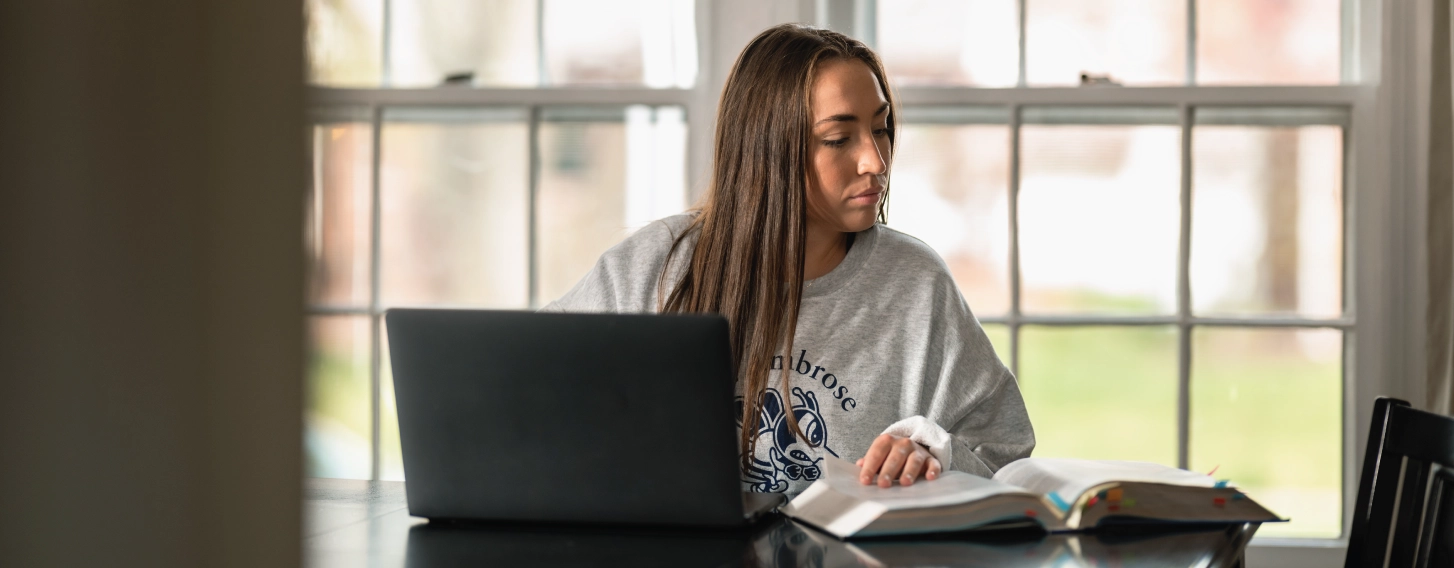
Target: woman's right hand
{"type": "Point", "coordinates": [893, 457]}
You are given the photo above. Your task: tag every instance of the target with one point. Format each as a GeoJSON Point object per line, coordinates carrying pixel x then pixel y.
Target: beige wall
{"type": "Point", "coordinates": [152, 162]}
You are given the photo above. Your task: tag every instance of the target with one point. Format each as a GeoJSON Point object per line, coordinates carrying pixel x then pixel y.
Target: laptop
{"type": "Point", "coordinates": [593, 418]}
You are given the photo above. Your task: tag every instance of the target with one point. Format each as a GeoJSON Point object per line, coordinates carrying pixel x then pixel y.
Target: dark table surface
{"type": "Point", "coordinates": [367, 523]}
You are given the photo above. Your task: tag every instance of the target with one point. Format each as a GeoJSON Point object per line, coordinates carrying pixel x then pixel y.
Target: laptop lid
{"type": "Point", "coordinates": [566, 417]}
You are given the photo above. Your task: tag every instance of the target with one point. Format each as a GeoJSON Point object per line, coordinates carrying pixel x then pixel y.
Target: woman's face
{"type": "Point", "coordinates": [851, 152]}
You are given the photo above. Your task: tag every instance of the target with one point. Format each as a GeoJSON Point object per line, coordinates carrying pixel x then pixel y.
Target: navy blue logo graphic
{"type": "Point", "coordinates": [787, 457]}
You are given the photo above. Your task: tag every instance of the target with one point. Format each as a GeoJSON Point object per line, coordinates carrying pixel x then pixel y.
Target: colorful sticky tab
{"type": "Point", "coordinates": [1114, 494]}
{"type": "Point", "coordinates": [1114, 507]}
{"type": "Point", "coordinates": [1060, 503]}
{"type": "Point", "coordinates": [1128, 503]}
{"type": "Point", "coordinates": [1219, 501]}
{"type": "Point", "coordinates": [1238, 496]}
{"type": "Point", "coordinates": [1093, 501]}
{"type": "Point", "coordinates": [1221, 483]}
{"type": "Point", "coordinates": [1030, 513]}
{"type": "Point", "coordinates": [1101, 495]}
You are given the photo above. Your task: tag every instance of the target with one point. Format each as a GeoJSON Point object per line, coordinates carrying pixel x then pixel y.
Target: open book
{"type": "Point", "coordinates": [1058, 494]}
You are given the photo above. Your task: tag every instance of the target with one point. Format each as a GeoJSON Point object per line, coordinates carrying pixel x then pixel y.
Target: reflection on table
{"type": "Point", "coordinates": [352, 523]}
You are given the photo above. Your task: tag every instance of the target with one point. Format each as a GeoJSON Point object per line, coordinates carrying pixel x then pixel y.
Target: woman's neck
{"type": "Point", "coordinates": [825, 250]}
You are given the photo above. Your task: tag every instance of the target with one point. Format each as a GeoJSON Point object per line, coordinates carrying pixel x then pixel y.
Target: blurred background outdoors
{"type": "Point", "coordinates": [1091, 331]}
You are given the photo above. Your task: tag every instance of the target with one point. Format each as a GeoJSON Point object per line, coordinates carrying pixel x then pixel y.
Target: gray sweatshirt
{"type": "Point", "coordinates": [885, 343]}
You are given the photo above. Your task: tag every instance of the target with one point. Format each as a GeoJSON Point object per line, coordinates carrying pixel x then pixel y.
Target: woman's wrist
{"type": "Point", "coordinates": [926, 433]}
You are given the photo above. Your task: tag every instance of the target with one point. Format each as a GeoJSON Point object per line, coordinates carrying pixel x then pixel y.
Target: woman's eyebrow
{"type": "Point", "coordinates": [851, 118]}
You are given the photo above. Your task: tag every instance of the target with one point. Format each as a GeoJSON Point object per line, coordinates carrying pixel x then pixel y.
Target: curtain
{"type": "Point", "coordinates": [1439, 390]}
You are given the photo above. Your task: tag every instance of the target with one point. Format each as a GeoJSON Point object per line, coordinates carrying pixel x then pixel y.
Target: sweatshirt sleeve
{"type": "Point", "coordinates": [595, 292]}
{"type": "Point", "coordinates": [970, 402]}
{"type": "Point", "coordinates": [624, 278]}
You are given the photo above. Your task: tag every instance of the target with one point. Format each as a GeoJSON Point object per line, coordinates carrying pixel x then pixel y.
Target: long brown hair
{"type": "Point", "coordinates": [752, 226]}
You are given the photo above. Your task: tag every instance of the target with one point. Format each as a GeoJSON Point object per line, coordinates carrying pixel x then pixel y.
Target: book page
{"type": "Point", "coordinates": [952, 488]}
{"type": "Point", "coordinates": [1069, 478]}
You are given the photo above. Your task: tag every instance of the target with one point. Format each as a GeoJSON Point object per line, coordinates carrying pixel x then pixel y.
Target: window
{"type": "Point", "coordinates": [473, 154]}
{"type": "Point", "coordinates": [1111, 300]}
{"type": "Point", "coordinates": [1146, 202]}
{"type": "Point", "coordinates": [1161, 263]}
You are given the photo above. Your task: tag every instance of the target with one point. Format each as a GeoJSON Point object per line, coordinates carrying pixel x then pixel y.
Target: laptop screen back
{"type": "Point", "coordinates": [566, 417]}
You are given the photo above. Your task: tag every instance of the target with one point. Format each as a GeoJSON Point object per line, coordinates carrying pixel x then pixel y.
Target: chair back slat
{"type": "Point", "coordinates": [1380, 513]}
{"type": "Point", "coordinates": [1436, 543]}
{"type": "Point", "coordinates": [1363, 508]}
{"type": "Point", "coordinates": [1410, 513]}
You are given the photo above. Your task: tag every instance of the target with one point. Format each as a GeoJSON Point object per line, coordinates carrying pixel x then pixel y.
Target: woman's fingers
{"type": "Point", "coordinates": [868, 467]}
{"type": "Point", "coordinates": [913, 467]}
{"type": "Point", "coordinates": [899, 452]}
{"type": "Point", "coordinates": [890, 458]}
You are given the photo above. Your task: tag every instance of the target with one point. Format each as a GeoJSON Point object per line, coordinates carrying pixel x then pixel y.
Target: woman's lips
{"type": "Point", "coordinates": [864, 198]}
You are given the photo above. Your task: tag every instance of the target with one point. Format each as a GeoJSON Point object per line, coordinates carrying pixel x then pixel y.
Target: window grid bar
{"type": "Point", "coordinates": [540, 69]}
{"type": "Point", "coordinates": [505, 96]}
{"type": "Point", "coordinates": [1183, 295]}
{"type": "Point", "coordinates": [1191, 42]}
{"type": "Point", "coordinates": [375, 306]}
{"type": "Point", "coordinates": [1261, 96]}
{"type": "Point", "coordinates": [1020, 79]}
{"type": "Point", "coordinates": [386, 69]}
{"type": "Point", "coordinates": [1339, 323]}
{"type": "Point", "coordinates": [1348, 42]}
{"type": "Point", "coordinates": [531, 224]}
{"type": "Point", "coordinates": [1096, 321]}
{"type": "Point", "coordinates": [1347, 277]}
{"type": "Point", "coordinates": [1014, 212]}
{"type": "Point", "coordinates": [1258, 96]}
{"type": "Point", "coordinates": [1349, 433]}
{"type": "Point", "coordinates": [865, 22]}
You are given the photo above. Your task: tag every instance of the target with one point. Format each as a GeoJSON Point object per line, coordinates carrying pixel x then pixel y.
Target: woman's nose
{"type": "Point", "coordinates": [872, 161]}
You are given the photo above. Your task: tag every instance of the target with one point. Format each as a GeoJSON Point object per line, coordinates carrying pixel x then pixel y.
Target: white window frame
{"type": "Point", "coordinates": [1385, 65]}
{"type": "Point", "coordinates": [698, 101]}
{"type": "Point", "coordinates": [1385, 69]}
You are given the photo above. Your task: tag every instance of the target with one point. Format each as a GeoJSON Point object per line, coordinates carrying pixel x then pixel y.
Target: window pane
{"type": "Point", "coordinates": [604, 174]}
{"type": "Point", "coordinates": [584, 42]}
{"type": "Point", "coordinates": [455, 207]}
{"type": "Point", "coordinates": [339, 214]}
{"type": "Point", "coordinates": [344, 42]}
{"type": "Point", "coordinates": [1266, 412]}
{"type": "Point", "coordinates": [1101, 392]}
{"type": "Point", "coordinates": [492, 39]}
{"type": "Point", "coordinates": [950, 188]}
{"type": "Point", "coordinates": [336, 422]}
{"type": "Point", "coordinates": [949, 42]}
{"type": "Point", "coordinates": [999, 335]}
{"type": "Point", "coordinates": [651, 42]}
{"type": "Point", "coordinates": [1141, 42]}
{"type": "Point", "coordinates": [1267, 220]}
{"type": "Point", "coordinates": [1099, 218]}
{"type": "Point", "coordinates": [1288, 42]}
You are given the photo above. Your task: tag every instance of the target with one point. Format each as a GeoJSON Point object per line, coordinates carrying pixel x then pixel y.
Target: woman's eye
{"type": "Point", "coordinates": [881, 132]}
{"type": "Point", "coordinates": [838, 143]}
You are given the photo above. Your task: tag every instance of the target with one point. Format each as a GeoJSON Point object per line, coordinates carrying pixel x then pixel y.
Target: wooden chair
{"type": "Point", "coordinates": [1405, 509]}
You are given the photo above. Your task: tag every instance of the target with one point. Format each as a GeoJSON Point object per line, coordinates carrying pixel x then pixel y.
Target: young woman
{"type": "Point", "coordinates": [851, 338]}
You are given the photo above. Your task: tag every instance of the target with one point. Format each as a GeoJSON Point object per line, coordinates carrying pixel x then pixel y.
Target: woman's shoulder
{"type": "Point", "coordinates": [904, 252]}
{"type": "Point", "coordinates": [651, 240]}
{"type": "Point", "coordinates": [625, 276]}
